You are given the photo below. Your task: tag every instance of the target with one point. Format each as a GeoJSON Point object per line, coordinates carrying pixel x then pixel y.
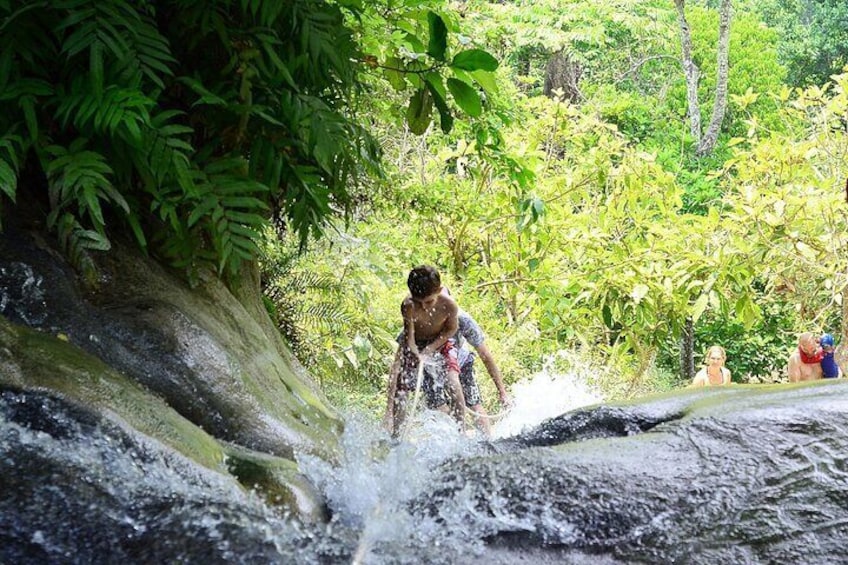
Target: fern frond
{"type": "Point", "coordinates": [119, 35]}
{"type": "Point", "coordinates": [118, 111]}
{"type": "Point", "coordinates": [75, 243]}
{"type": "Point", "coordinates": [327, 316]}
{"type": "Point", "coordinates": [11, 153]}
{"type": "Point", "coordinates": [80, 177]}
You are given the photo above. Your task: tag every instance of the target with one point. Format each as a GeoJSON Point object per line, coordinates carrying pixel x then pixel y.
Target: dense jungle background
{"type": "Point", "coordinates": [630, 181]}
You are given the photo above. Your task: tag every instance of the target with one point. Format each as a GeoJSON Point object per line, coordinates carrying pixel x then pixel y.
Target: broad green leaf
{"type": "Point", "coordinates": [474, 60]}
{"type": "Point", "coordinates": [351, 357]}
{"type": "Point", "coordinates": [132, 219]}
{"type": "Point", "coordinates": [8, 180]}
{"type": "Point", "coordinates": [93, 240]}
{"type": "Point", "coordinates": [393, 74]}
{"type": "Point", "coordinates": [27, 104]}
{"type": "Point", "coordinates": [438, 43]}
{"type": "Point", "coordinates": [202, 210]}
{"type": "Point", "coordinates": [486, 79]}
{"type": "Point", "coordinates": [699, 306]}
{"type": "Point", "coordinates": [439, 94]}
{"type": "Point", "coordinates": [419, 110]}
{"type": "Point", "coordinates": [96, 66]}
{"type": "Point", "coordinates": [465, 97]}
{"type": "Point", "coordinates": [436, 81]}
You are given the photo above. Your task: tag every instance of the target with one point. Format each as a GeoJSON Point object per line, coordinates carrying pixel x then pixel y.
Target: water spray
{"type": "Point", "coordinates": [416, 395]}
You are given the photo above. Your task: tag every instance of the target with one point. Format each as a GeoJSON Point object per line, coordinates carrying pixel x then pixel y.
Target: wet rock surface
{"type": "Point", "coordinates": [745, 475]}
{"type": "Point", "coordinates": [78, 488]}
{"type": "Point", "coordinates": [198, 349]}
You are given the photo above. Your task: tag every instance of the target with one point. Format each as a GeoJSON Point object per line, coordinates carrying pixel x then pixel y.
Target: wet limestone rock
{"type": "Point", "coordinates": [198, 369]}
{"type": "Point", "coordinates": [740, 474]}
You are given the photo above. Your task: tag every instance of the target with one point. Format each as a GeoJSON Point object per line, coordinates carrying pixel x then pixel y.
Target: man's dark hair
{"type": "Point", "coordinates": [423, 281]}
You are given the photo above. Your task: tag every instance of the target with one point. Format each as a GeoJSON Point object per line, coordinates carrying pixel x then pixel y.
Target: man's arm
{"type": "Point", "coordinates": [794, 368]}
{"type": "Point", "coordinates": [494, 372]}
{"type": "Point", "coordinates": [406, 310]}
{"type": "Point", "coordinates": [394, 374]}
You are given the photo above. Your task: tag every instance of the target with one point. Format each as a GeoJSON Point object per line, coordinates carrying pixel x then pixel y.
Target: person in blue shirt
{"type": "Point", "coordinates": [830, 370]}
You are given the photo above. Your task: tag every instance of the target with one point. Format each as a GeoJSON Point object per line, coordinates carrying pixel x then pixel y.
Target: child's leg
{"type": "Point", "coordinates": [481, 417]}
{"type": "Point", "coordinates": [472, 397]}
{"type": "Point", "coordinates": [392, 393]}
{"type": "Point", "coordinates": [407, 365]}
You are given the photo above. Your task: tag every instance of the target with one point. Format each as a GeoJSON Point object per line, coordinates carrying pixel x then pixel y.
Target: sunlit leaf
{"type": "Point", "coordinates": [465, 97]}
{"type": "Point", "coordinates": [475, 59]}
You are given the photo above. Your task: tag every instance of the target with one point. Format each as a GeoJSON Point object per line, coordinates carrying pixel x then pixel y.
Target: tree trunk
{"type": "Point", "coordinates": [841, 354]}
{"type": "Point", "coordinates": [687, 351]}
{"type": "Point", "coordinates": [708, 141]}
{"type": "Point", "coordinates": [690, 71]}
{"type": "Point", "coordinates": [563, 74]}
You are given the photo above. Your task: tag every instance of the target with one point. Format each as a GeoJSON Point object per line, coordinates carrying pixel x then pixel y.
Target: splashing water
{"type": "Point", "coordinates": [549, 393]}
{"type": "Point", "coordinates": [371, 488]}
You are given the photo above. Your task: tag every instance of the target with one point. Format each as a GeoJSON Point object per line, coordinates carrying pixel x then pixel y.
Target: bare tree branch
{"type": "Point", "coordinates": [638, 65]}
{"type": "Point", "coordinates": [708, 141]}
{"type": "Point", "coordinates": [690, 70]}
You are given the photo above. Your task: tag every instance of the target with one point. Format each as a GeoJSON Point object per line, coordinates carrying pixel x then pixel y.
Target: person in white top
{"type": "Point", "coordinates": [714, 373]}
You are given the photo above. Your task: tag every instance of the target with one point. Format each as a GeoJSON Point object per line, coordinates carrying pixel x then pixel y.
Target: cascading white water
{"type": "Point", "coordinates": [549, 393]}
{"type": "Point", "coordinates": [370, 490]}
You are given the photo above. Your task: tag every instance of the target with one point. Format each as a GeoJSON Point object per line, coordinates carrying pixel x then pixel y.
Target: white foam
{"type": "Point", "coordinates": [549, 393]}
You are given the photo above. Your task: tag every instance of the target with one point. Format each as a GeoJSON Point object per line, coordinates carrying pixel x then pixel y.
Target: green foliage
{"type": "Point", "coordinates": [302, 304]}
{"type": "Point", "coordinates": [760, 350]}
{"type": "Point", "coordinates": [754, 64]}
{"type": "Point", "coordinates": [634, 114]}
{"type": "Point", "coordinates": [192, 123]}
{"type": "Point", "coordinates": [326, 311]}
{"type": "Point", "coordinates": [604, 38]}
{"type": "Point", "coordinates": [415, 46]}
{"type": "Point", "coordinates": [813, 37]}
{"type": "Point", "coordinates": [165, 93]}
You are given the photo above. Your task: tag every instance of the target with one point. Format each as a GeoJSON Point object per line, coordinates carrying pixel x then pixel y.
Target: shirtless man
{"type": "Point", "coordinates": [430, 320]}
{"type": "Point", "coordinates": [469, 332]}
{"type": "Point", "coordinates": [805, 362]}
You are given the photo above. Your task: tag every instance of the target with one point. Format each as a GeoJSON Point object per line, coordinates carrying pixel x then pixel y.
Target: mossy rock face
{"type": "Point", "coordinates": [197, 369]}
{"type": "Point", "coordinates": [34, 364]}
{"type": "Point", "coordinates": [201, 350]}
{"type": "Point", "coordinates": [277, 480]}
{"type": "Point", "coordinates": [31, 360]}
